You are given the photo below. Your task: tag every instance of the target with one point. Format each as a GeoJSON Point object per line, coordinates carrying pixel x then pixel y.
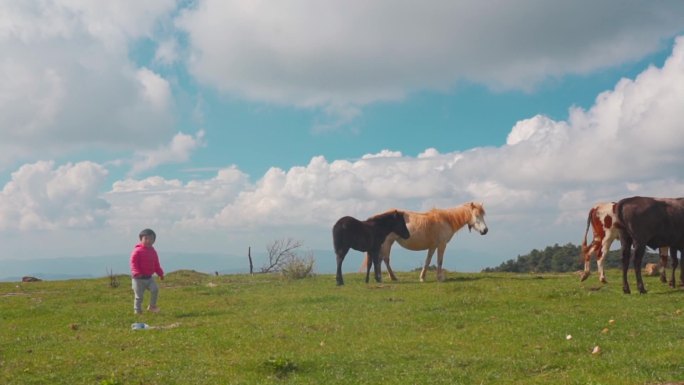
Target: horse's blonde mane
{"type": "Point", "coordinates": [457, 216]}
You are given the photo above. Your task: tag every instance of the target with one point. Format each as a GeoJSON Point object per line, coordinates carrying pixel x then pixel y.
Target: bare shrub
{"type": "Point", "coordinates": [279, 251]}
{"type": "Point", "coordinates": [113, 279]}
{"type": "Point", "coordinates": [299, 267]}
{"type": "Point", "coordinates": [284, 258]}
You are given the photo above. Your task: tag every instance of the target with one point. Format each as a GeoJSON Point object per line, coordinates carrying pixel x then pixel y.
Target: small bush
{"type": "Point", "coordinates": [297, 267]}
{"type": "Point", "coordinates": [113, 279]}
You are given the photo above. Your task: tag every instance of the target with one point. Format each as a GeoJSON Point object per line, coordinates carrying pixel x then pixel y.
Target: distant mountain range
{"type": "Point", "coordinates": [99, 266]}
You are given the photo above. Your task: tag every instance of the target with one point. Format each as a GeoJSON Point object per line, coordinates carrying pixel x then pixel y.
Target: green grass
{"type": "Point", "coordinates": [493, 328]}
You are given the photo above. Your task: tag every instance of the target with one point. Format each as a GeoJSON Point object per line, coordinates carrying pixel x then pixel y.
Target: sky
{"type": "Point", "coordinates": [227, 124]}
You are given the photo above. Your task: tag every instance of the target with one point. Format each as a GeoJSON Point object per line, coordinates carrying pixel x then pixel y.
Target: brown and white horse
{"type": "Point", "coordinates": [603, 221]}
{"type": "Point", "coordinates": [431, 231]}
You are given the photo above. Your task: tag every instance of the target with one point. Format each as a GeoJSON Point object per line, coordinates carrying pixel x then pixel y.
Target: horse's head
{"type": "Point", "coordinates": [399, 227]}
{"type": "Point", "coordinates": [477, 214]}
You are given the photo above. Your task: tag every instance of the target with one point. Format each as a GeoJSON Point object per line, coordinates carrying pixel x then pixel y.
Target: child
{"type": "Point", "coordinates": [144, 263]}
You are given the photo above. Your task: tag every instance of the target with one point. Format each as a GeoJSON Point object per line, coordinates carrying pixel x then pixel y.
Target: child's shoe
{"type": "Point", "coordinates": [153, 309]}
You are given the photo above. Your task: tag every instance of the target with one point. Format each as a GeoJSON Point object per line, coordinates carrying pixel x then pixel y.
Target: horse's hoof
{"type": "Point", "coordinates": [626, 291]}
{"type": "Point", "coordinates": [584, 277]}
{"type": "Point", "coordinates": [603, 280]}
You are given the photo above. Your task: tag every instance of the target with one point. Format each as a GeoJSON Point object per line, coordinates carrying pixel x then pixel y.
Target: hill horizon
{"type": "Point", "coordinates": [61, 268]}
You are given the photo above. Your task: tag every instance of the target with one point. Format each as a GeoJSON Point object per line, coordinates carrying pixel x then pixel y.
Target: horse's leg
{"type": "Point", "coordinates": [385, 256]}
{"type": "Point", "coordinates": [601, 257]}
{"type": "Point", "coordinates": [426, 265]}
{"type": "Point", "coordinates": [367, 261]}
{"type": "Point", "coordinates": [601, 270]}
{"type": "Point", "coordinates": [377, 265]}
{"type": "Point", "coordinates": [440, 259]}
{"type": "Point", "coordinates": [340, 257]}
{"type": "Point", "coordinates": [639, 251]}
{"type": "Point", "coordinates": [587, 261]}
{"type": "Point", "coordinates": [675, 262]}
{"type": "Point", "coordinates": [626, 253]}
{"type": "Point", "coordinates": [375, 259]}
{"type": "Point", "coordinates": [663, 264]}
{"type": "Point", "coordinates": [368, 266]}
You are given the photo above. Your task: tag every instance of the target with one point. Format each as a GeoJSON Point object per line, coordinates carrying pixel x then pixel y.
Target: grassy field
{"type": "Point", "coordinates": [239, 329]}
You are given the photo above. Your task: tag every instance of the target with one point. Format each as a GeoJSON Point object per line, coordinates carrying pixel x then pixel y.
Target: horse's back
{"type": "Point", "coordinates": [343, 225]}
{"type": "Point", "coordinates": [344, 222]}
{"type": "Point", "coordinates": [428, 230]}
{"type": "Point", "coordinates": [346, 233]}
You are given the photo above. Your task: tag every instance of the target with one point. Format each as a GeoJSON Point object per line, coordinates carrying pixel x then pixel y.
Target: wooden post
{"type": "Point", "coordinates": [251, 266]}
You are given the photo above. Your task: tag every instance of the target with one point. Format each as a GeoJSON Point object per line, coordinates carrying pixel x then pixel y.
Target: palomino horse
{"type": "Point", "coordinates": [432, 231]}
{"type": "Point", "coordinates": [368, 235]}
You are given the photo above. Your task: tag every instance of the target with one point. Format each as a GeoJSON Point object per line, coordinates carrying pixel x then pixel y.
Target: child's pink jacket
{"type": "Point", "coordinates": [145, 262]}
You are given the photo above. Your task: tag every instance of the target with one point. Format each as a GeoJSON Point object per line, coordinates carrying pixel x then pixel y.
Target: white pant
{"type": "Point", "coordinates": [139, 287]}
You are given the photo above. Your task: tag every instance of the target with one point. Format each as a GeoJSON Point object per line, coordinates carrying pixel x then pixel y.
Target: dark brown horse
{"type": "Point", "coordinates": [652, 222]}
{"type": "Point", "coordinates": [368, 235]}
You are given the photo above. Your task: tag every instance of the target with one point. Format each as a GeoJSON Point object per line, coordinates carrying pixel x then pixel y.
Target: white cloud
{"type": "Point", "coordinates": [40, 196]}
{"type": "Point", "coordinates": [539, 129]}
{"type": "Point", "coordinates": [383, 154]}
{"type": "Point", "coordinates": [155, 89]}
{"type": "Point", "coordinates": [168, 204]}
{"type": "Point", "coordinates": [315, 54]}
{"type": "Point", "coordinates": [631, 133]}
{"type": "Point", "coordinates": [178, 151]}
{"type": "Point", "coordinates": [543, 180]}
{"type": "Point", "coordinates": [68, 83]}
{"type": "Point", "coordinates": [167, 52]}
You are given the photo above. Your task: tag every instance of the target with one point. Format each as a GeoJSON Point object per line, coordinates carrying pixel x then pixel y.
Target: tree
{"type": "Point", "coordinates": [559, 259]}
{"type": "Point", "coordinates": [278, 252]}
{"type": "Point", "coordinates": [284, 258]}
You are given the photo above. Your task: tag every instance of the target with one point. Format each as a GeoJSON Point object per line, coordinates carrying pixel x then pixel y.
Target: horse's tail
{"type": "Point", "coordinates": [364, 263]}
{"type": "Point", "coordinates": [617, 210]}
{"type": "Point", "coordinates": [584, 248]}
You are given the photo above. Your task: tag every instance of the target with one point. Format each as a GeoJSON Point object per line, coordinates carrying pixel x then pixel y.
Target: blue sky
{"type": "Point", "coordinates": [229, 124]}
